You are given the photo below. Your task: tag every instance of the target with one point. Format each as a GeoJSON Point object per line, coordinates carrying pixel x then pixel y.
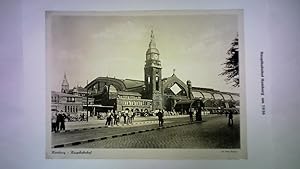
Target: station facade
{"type": "Point", "coordinates": [155, 92]}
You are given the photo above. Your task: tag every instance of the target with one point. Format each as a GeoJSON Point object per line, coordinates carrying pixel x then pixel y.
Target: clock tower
{"type": "Point", "coordinates": [153, 80]}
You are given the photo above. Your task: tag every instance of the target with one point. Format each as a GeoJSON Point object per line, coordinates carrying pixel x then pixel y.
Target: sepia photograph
{"type": "Point", "coordinates": [145, 84]}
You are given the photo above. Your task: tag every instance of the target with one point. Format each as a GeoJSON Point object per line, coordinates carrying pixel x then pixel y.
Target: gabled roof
{"type": "Point", "coordinates": [78, 89]}
{"type": "Point", "coordinates": [63, 94]}
{"type": "Point", "coordinates": [130, 83]}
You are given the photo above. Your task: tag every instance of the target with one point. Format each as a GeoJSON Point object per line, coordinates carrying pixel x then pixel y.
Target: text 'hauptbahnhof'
{"type": "Point", "coordinates": [170, 94]}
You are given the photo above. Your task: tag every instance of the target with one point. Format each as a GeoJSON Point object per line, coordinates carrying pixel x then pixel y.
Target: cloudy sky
{"type": "Point", "coordinates": [86, 47]}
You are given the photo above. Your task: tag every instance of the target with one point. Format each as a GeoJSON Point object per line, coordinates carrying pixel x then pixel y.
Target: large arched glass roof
{"type": "Point", "coordinates": [236, 97]}
{"type": "Point", "coordinates": [207, 95]}
{"type": "Point", "coordinates": [218, 96]}
{"type": "Point", "coordinates": [227, 97]}
{"type": "Point", "coordinates": [197, 94]}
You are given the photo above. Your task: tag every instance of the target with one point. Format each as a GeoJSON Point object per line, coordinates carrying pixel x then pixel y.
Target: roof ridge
{"type": "Point", "coordinates": [134, 80]}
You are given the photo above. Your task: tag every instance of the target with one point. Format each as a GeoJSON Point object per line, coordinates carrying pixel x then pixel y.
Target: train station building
{"type": "Point", "coordinates": [155, 92]}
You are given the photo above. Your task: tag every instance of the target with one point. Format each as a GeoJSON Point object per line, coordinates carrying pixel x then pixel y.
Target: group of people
{"type": "Point", "coordinates": [228, 114]}
{"type": "Point", "coordinates": [58, 121]}
{"type": "Point", "coordinates": [114, 117]}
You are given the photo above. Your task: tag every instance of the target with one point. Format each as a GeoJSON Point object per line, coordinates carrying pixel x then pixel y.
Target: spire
{"type": "Point", "coordinates": [152, 50]}
{"type": "Point", "coordinates": [65, 81]}
{"type": "Point", "coordinates": [152, 40]}
{"type": "Point", "coordinates": [65, 84]}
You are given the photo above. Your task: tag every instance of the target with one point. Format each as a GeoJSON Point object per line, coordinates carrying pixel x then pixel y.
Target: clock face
{"type": "Point", "coordinates": [154, 57]}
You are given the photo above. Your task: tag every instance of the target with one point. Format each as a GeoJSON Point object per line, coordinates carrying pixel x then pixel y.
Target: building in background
{"type": "Point", "coordinates": [69, 104]}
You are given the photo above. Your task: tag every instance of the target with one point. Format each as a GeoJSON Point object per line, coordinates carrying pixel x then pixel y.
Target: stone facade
{"type": "Point", "coordinates": [66, 103]}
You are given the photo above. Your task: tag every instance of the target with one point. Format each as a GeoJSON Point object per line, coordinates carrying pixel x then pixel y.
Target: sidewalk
{"type": "Point", "coordinates": [95, 123]}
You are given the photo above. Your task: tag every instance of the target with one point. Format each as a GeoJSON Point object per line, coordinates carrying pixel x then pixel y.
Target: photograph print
{"type": "Point", "coordinates": [145, 84]}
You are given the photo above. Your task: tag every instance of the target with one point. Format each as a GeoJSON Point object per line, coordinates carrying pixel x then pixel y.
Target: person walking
{"type": "Point", "coordinates": [108, 119]}
{"type": "Point", "coordinates": [58, 119]}
{"type": "Point", "coordinates": [124, 117]}
{"type": "Point", "coordinates": [230, 119]}
{"type": "Point", "coordinates": [133, 115]}
{"type": "Point", "coordinates": [53, 122]}
{"type": "Point", "coordinates": [200, 106]}
{"type": "Point", "coordinates": [191, 113]}
{"type": "Point", "coordinates": [160, 118]}
{"type": "Point", "coordinates": [62, 121]}
{"type": "Point", "coordinates": [130, 116]}
{"type": "Point", "coordinates": [116, 118]}
{"type": "Point", "coordinates": [127, 116]}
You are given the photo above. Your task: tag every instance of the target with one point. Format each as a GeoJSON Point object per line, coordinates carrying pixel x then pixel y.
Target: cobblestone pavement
{"type": "Point", "coordinates": [213, 133]}
{"type": "Point", "coordinates": [72, 136]}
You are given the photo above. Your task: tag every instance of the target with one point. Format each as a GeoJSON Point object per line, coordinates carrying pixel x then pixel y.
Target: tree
{"type": "Point", "coordinates": [231, 65]}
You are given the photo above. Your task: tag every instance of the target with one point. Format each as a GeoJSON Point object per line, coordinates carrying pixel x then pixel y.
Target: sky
{"type": "Point", "coordinates": [89, 46]}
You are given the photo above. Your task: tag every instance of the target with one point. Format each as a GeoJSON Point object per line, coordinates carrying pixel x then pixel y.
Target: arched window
{"type": "Point", "coordinates": [157, 83]}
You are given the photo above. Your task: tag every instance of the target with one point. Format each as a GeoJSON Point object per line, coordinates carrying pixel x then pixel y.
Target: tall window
{"type": "Point", "coordinates": [157, 83]}
{"type": "Point", "coordinates": [148, 79]}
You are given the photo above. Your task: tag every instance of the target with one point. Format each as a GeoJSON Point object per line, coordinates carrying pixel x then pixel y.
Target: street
{"type": "Point", "coordinates": [177, 132]}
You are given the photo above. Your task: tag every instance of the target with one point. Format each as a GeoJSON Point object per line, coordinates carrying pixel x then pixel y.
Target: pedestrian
{"type": "Point", "coordinates": [127, 116]}
{"type": "Point", "coordinates": [124, 117]}
{"type": "Point", "coordinates": [133, 115]}
{"type": "Point", "coordinates": [130, 117]}
{"type": "Point", "coordinates": [191, 113]}
{"type": "Point", "coordinates": [200, 106]}
{"type": "Point", "coordinates": [160, 118]}
{"type": "Point", "coordinates": [82, 117]}
{"type": "Point", "coordinates": [112, 121]}
{"type": "Point", "coordinates": [116, 118]}
{"type": "Point", "coordinates": [230, 119]}
{"type": "Point", "coordinates": [108, 119]}
{"type": "Point", "coordinates": [62, 121]}
{"type": "Point", "coordinates": [53, 122]}
{"type": "Point", "coordinates": [58, 117]}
